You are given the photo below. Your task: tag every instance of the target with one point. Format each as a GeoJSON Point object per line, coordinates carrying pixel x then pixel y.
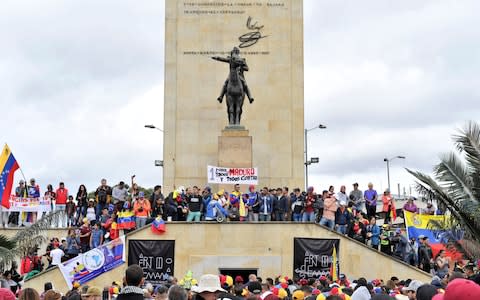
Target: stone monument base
{"type": "Point", "coordinates": [234, 149]}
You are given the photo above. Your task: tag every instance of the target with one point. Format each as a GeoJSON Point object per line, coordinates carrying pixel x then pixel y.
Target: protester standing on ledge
{"type": "Point", "coordinates": [371, 197]}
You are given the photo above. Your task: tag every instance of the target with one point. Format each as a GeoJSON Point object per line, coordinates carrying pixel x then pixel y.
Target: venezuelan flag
{"type": "Point", "coordinates": [8, 165]}
{"type": "Point", "coordinates": [126, 220]}
{"type": "Point", "coordinates": [418, 224]}
{"type": "Point", "coordinates": [158, 225]}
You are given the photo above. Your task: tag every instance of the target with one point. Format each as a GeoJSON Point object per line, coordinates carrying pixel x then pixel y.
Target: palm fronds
{"type": "Point", "coordinates": [26, 239]}
{"type": "Point", "coordinates": [456, 187]}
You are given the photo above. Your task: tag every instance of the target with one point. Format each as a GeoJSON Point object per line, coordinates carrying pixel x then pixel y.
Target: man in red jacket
{"type": "Point", "coordinates": [61, 204]}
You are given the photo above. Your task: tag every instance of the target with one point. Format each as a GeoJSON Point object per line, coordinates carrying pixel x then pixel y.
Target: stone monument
{"type": "Point", "coordinates": [267, 34]}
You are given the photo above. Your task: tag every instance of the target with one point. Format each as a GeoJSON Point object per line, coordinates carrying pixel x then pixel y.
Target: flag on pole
{"type": "Point", "coordinates": [8, 166]}
{"type": "Point", "coordinates": [334, 269]}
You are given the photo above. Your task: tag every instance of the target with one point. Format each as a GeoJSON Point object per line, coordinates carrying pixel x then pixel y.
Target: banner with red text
{"type": "Point", "coordinates": [225, 175]}
{"type": "Point", "coordinates": [42, 204]}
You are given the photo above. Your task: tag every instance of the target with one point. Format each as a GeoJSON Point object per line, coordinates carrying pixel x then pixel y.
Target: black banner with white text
{"type": "Point", "coordinates": [313, 258]}
{"type": "Point", "coordinates": [155, 257]}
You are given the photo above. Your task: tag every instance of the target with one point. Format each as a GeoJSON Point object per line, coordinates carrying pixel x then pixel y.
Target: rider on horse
{"type": "Point", "coordinates": [235, 58]}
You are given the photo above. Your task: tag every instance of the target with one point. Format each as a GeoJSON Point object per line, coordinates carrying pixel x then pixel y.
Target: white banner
{"type": "Point", "coordinates": [21, 204]}
{"type": "Point", "coordinates": [232, 175]}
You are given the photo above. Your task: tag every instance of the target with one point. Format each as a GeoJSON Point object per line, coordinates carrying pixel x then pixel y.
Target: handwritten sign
{"type": "Point", "coordinates": [232, 175]}
{"type": "Point", "coordinates": [312, 258]}
{"type": "Point", "coordinates": [155, 257]}
{"type": "Point", "coordinates": [41, 204]}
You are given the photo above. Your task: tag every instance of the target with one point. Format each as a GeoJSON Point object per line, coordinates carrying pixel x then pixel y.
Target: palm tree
{"type": "Point", "coordinates": [26, 239]}
{"type": "Point", "coordinates": [456, 188]}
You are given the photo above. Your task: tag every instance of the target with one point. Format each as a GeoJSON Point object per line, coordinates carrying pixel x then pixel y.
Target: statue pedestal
{"type": "Point", "coordinates": [234, 149]}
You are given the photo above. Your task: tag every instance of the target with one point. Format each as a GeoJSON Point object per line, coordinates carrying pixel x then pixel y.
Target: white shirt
{"type": "Point", "coordinates": [119, 194]}
{"type": "Point", "coordinates": [341, 197]}
{"type": "Point", "coordinates": [56, 255]}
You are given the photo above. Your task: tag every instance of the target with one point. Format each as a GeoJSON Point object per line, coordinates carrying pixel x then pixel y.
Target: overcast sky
{"type": "Point", "coordinates": [80, 79]}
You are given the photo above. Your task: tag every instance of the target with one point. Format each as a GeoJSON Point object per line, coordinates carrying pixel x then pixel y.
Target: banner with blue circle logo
{"type": "Point", "coordinates": [86, 266]}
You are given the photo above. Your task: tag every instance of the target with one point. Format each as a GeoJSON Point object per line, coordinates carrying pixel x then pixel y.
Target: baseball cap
{"type": "Point", "coordinates": [421, 237]}
{"type": "Point", "coordinates": [298, 295]}
{"type": "Point", "coordinates": [6, 294]}
{"type": "Point", "coordinates": [460, 289]}
{"type": "Point", "coordinates": [255, 287]}
{"type": "Point", "coordinates": [413, 286]}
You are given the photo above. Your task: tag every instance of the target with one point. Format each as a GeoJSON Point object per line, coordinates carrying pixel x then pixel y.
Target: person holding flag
{"type": "Point", "coordinates": [8, 166]}
{"type": "Point", "coordinates": [388, 207]}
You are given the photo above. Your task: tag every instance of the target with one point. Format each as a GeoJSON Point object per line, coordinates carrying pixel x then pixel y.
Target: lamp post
{"type": "Point", "coordinates": [314, 160]}
{"type": "Point", "coordinates": [158, 163]}
{"type": "Point", "coordinates": [388, 160]}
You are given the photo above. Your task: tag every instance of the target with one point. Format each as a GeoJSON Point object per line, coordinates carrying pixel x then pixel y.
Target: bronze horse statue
{"type": "Point", "coordinates": [235, 87]}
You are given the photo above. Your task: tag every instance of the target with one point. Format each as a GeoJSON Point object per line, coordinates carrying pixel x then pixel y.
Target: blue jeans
{"type": "Point", "coordinates": [62, 220]}
{"type": "Point", "coordinates": [99, 208]}
{"type": "Point", "coordinates": [297, 217]}
{"type": "Point", "coordinates": [326, 222]}
{"type": "Point", "coordinates": [342, 229]}
{"type": "Point", "coordinates": [193, 216]}
{"type": "Point", "coordinates": [263, 217]}
{"type": "Point", "coordinates": [308, 217]}
{"type": "Point", "coordinates": [279, 216]}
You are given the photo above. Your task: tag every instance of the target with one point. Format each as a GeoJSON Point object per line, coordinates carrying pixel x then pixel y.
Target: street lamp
{"type": "Point", "coordinates": [314, 160]}
{"type": "Point", "coordinates": [388, 160]}
{"type": "Point", "coordinates": [158, 162]}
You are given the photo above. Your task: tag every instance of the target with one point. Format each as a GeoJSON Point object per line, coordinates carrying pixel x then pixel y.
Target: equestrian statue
{"type": "Point", "coordinates": [235, 87]}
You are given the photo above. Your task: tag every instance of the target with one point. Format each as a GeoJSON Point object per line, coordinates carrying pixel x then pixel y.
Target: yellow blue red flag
{"type": "Point", "coordinates": [8, 166]}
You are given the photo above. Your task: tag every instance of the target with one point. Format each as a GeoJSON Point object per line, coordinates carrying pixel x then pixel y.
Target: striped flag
{"type": "Point", "coordinates": [334, 268]}
{"type": "Point", "coordinates": [8, 166]}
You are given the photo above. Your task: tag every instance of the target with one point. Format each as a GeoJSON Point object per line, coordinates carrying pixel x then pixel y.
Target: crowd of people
{"type": "Point", "coordinates": [329, 208]}
{"type": "Point", "coordinates": [456, 286]}
{"type": "Point", "coordinates": [111, 210]}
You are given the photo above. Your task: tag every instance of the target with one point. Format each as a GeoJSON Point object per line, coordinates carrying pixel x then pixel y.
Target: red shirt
{"type": "Point", "coordinates": [62, 195]}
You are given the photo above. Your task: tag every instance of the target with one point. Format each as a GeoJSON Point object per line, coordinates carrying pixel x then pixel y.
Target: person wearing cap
{"type": "Point", "coordinates": [208, 287]}
{"type": "Point", "coordinates": [309, 208]}
{"type": "Point", "coordinates": [400, 242]}
{"type": "Point", "coordinates": [33, 192]}
{"type": "Point", "coordinates": [385, 240]}
{"type": "Point", "coordinates": [410, 205]}
{"type": "Point", "coordinates": [412, 288]}
{"type": "Point", "coordinates": [329, 210]}
{"type": "Point", "coordinates": [15, 218]}
{"type": "Point", "coordinates": [74, 293]}
{"type": "Point", "coordinates": [356, 196]}
{"type": "Point", "coordinates": [388, 205]}
{"type": "Point", "coordinates": [103, 195]}
{"type": "Point", "coordinates": [370, 196]}
{"type": "Point", "coordinates": [298, 295]}
{"type": "Point", "coordinates": [342, 218]}
{"type": "Point", "coordinates": [297, 205]}
{"type": "Point", "coordinates": [252, 204]}
{"type": "Point", "coordinates": [429, 210]}
{"type": "Point", "coordinates": [460, 289]}
{"type": "Point", "coordinates": [425, 259]}
{"type": "Point", "coordinates": [142, 209]}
